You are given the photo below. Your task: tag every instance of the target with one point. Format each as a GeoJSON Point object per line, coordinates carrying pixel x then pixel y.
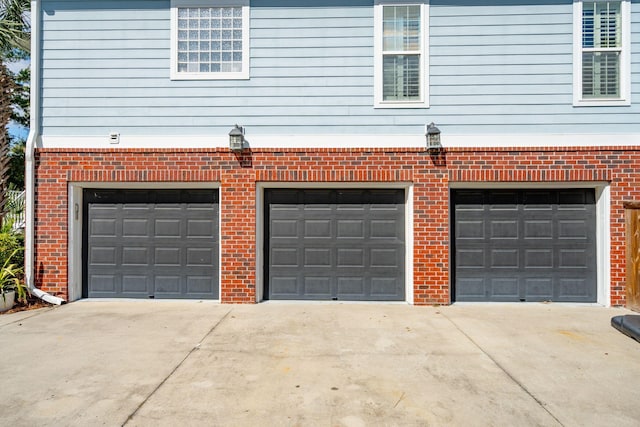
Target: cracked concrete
{"type": "Point", "coordinates": [139, 363]}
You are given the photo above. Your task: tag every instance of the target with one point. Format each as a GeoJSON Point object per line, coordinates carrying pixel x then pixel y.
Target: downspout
{"type": "Point", "coordinates": [29, 172]}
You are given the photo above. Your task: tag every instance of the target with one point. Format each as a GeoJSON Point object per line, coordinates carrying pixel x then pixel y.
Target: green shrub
{"type": "Point", "coordinates": [11, 245]}
{"type": "Point", "coordinates": [10, 274]}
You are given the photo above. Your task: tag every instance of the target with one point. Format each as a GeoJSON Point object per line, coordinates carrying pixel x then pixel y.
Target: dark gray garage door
{"type": "Point", "coordinates": [525, 245]}
{"type": "Point", "coordinates": [335, 244]}
{"type": "Point", "coordinates": [151, 243]}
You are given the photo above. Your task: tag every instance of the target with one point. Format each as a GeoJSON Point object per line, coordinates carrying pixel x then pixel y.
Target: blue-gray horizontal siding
{"type": "Point", "coordinates": [496, 66]}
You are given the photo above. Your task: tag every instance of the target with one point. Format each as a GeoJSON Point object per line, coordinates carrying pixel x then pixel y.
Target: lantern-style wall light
{"type": "Point", "coordinates": [433, 138]}
{"type": "Point", "coordinates": [236, 139]}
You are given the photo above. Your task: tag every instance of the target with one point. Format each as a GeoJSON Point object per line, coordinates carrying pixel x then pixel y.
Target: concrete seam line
{"type": "Point", "coordinates": [195, 347]}
{"type": "Point", "coordinates": [38, 313]}
{"type": "Point", "coordinates": [507, 373]}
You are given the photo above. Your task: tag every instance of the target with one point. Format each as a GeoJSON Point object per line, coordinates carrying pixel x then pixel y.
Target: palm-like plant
{"type": "Point", "coordinates": [15, 34]}
{"type": "Point", "coordinates": [10, 279]}
{"type": "Point", "coordinates": [15, 26]}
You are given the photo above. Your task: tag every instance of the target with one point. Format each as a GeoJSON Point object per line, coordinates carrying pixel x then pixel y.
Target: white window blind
{"type": "Point", "coordinates": [401, 53]}
{"type": "Point", "coordinates": [601, 49]}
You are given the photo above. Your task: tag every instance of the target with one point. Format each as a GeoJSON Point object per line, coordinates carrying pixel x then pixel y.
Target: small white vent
{"type": "Point", "coordinates": [114, 138]}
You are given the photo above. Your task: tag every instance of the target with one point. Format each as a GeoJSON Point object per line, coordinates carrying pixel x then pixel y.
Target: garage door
{"type": "Point", "coordinates": [525, 245]}
{"type": "Point", "coordinates": [335, 244]}
{"type": "Point", "coordinates": [150, 244]}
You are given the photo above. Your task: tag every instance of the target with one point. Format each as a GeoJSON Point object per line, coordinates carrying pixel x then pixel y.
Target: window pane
{"type": "Point", "coordinates": [601, 74]}
{"type": "Point", "coordinates": [401, 78]}
{"type": "Point", "coordinates": [202, 53]}
{"type": "Point", "coordinates": [401, 28]}
{"type": "Point", "coordinates": [601, 24]}
{"type": "Point", "coordinates": [587, 24]}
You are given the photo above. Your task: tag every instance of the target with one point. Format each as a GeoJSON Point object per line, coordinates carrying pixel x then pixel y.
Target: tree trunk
{"type": "Point", "coordinates": [6, 87]}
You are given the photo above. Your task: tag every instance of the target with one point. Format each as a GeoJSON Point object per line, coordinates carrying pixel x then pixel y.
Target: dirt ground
{"type": "Point", "coordinates": [32, 303]}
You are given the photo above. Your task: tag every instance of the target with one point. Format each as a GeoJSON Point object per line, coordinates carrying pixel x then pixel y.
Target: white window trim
{"type": "Point", "coordinates": [244, 74]}
{"type": "Point", "coordinates": [625, 60]}
{"type": "Point", "coordinates": [377, 68]}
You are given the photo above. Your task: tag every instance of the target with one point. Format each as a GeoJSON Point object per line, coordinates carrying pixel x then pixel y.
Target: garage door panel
{"type": "Point", "coordinates": [573, 258]}
{"type": "Point", "coordinates": [200, 257]}
{"type": "Point", "coordinates": [167, 237]}
{"type": "Point", "coordinates": [538, 258]}
{"type": "Point", "coordinates": [351, 257]}
{"type": "Point", "coordinates": [317, 209]}
{"type": "Point", "coordinates": [284, 257]}
{"type": "Point", "coordinates": [135, 284]}
{"type": "Point", "coordinates": [539, 288]}
{"type": "Point", "coordinates": [164, 257]}
{"type": "Point", "coordinates": [504, 258]}
{"type": "Point", "coordinates": [103, 227]}
{"type": "Point", "coordinates": [470, 258]}
{"type": "Point", "coordinates": [350, 229]}
{"type": "Point", "coordinates": [351, 286]}
{"type": "Point", "coordinates": [385, 258]}
{"type": "Point", "coordinates": [284, 228]}
{"type": "Point", "coordinates": [134, 256]}
{"type": "Point", "coordinates": [573, 288]}
{"type": "Point", "coordinates": [573, 229]}
{"type": "Point", "coordinates": [317, 257]}
{"type": "Point", "coordinates": [500, 229]}
{"type": "Point", "coordinates": [103, 255]}
{"type": "Point", "coordinates": [317, 228]}
{"type": "Point", "coordinates": [334, 244]}
{"type": "Point", "coordinates": [470, 230]}
{"type": "Point", "coordinates": [284, 286]}
{"type": "Point", "coordinates": [200, 285]}
{"type": "Point", "coordinates": [167, 284]}
{"type": "Point", "coordinates": [383, 286]}
{"type": "Point", "coordinates": [384, 229]}
{"type": "Point", "coordinates": [105, 283]}
{"type": "Point", "coordinates": [135, 227]}
{"type": "Point", "coordinates": [471, 288]}
{"type": "Point", "coordinates": [505, 287]}
{"type": "Point", "coordinates": [315, 286]}
{"type": "Point", "coordinates": [538, 229]}
{"type": "Point", "coordinates": [349, 207]}
{"type": "Point", "coordinates": [200, 228]}
{"type": "Point", "coordinates": [167, 228]}
{"type": "Point", "coordinates": [548, 247]}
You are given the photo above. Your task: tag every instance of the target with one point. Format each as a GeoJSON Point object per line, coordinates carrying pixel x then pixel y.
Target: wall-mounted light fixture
{"type": "Point", "coordinates": [236, 139]}
{"type": "Point", "coordinates": [433, 138]}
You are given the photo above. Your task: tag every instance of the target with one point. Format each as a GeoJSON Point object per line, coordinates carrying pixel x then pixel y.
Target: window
{"type": "Point", "coordinates": [401, 49]}
{"type": "Point", "coordinates": [601, 53]}
{"type": "Point", "coordinates": [209, 40]}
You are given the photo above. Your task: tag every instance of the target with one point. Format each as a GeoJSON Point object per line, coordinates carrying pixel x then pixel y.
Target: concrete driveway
{"type": "Point", "coordinates": [169, 363]}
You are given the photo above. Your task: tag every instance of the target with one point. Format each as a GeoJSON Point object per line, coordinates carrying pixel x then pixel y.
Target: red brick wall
{"type": "Point", "coordinates": [238, 177]}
